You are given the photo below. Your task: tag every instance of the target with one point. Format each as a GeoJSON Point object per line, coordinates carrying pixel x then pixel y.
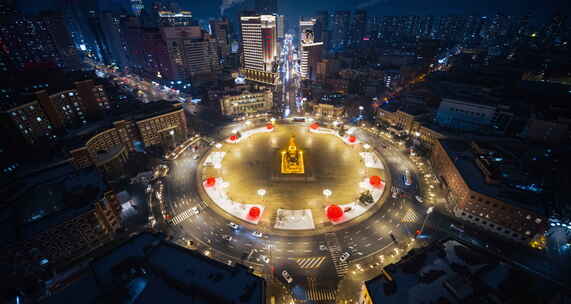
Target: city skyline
{"type": "Point", "coordinates": [313, 152]}
{"type": "Point", "coordinates": [205, 10]}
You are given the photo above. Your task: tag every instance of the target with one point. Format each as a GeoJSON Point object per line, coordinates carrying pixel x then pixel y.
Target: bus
{"type": "Point", "coordinates": [407, 178]}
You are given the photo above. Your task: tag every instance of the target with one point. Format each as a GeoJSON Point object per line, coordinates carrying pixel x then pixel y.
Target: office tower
{"type": "Point", "coordinates": [191, 50]}
{"type": "Point", "coordinates": [137, 6]}
{"type": "Point", "coordinates": [175, 18]}
{"type": "Point", "coordinates": [310, 50]}
{"type": "Point", "coordinates": [322, 32]}
{"type": "Point", "coordinates": [341, 26]}
{"type": "Point", "coordinates": [359, 26]}
{"type": "Point", "coordinates": [42, 40]}
{"type": "Point", "coordinates": [259, 48]}
{"type": "Point", "coordinates": [307, 24]}
{"type": "Point", "coordinates": [266, 6]}
{"type": "Point", "coordinates": [221, 31]}
{"type": "Point", "coordinates": [280, 23]}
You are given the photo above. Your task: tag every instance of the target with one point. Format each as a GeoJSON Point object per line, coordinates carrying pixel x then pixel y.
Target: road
{"type": "Point", "coordinates": [313, 260]}
{"type": "Point", "coordinates": [291, 104]}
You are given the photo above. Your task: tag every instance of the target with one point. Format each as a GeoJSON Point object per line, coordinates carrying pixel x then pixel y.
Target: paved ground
{"type": "Point", "coordinates": [330, 163]}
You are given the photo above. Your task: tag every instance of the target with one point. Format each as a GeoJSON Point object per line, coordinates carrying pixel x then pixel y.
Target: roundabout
{"type": "Point", "coordinates": [348, 205]}
{"type": "Point", "coordinates": [294, 176]}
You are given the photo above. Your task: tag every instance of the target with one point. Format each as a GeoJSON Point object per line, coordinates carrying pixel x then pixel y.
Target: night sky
{"type": "Point", "coordinates": [295, 8]}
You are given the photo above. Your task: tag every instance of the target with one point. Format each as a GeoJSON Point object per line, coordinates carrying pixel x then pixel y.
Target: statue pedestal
{"type": "Point", "coordinates": [275, 169]}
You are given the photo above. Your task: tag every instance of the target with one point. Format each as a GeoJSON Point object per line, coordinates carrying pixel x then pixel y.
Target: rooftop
{"type": "Point", "coordinates": [129, 111]}
{"type": "Point", "coordinates": [38, 201]}
{"type": "Point", "coordinates": [147, 269]}
{"type": "Point", "coordinates": [454, 272]}
{"type": "Point", "coordinates": [506, 161]}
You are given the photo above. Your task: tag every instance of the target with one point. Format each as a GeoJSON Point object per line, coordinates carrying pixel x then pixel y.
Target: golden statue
{"type": "Point", "coordinates": [292, 159]}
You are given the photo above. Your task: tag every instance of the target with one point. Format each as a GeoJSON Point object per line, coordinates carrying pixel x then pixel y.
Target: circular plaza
{"type": "Point", "coordinates": [293, 177]}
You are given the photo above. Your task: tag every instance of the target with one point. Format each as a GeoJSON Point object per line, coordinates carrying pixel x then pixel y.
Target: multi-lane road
{"type": "Point", "coordinates": [312, 259]}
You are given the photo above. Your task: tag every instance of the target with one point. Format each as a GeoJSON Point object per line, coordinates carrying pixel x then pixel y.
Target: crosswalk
{"type": "Point", "coordinates": [310, 263]}
{"type": "Point", "coordinates": [181, 217]}
{"type": "Point", "coordinates": [320, 295]}
{"type": "Point", "coordinates": [341, 267]}
{"type": "Point", "coordinates": [410, 216]}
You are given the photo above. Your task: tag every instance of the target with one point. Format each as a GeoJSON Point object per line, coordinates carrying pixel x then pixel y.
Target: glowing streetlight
{"type": "Point", "coordinates": [262, 193]}
{"type": "Point", "coordinates": [327, 193]}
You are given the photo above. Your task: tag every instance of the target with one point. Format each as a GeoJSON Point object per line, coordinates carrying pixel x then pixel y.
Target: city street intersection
{"type": "Point", "coordinates": [311, 257]}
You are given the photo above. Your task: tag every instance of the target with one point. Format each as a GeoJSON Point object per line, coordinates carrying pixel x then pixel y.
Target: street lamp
{"type": "Point", "coordinates": [428, 212]}
{"type": "Point", "coordinates": [262, 193]}
{"type": "Point", "coordinates": [171, 132]}
{"type": "Point", "coordinates": [327, 194]}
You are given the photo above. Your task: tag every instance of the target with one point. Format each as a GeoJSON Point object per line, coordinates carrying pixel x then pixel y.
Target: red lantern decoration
{"type": "Point", "coordinates": [211, 181]}
{"type": "Point", "coordinates": [269, 126]}
{"type": "Point", "coordinates": [334, 212]}
{"type": "Point", "coordinates": [375, 181]}
{"type": "Point", "coordinates": [254, 212]}
{"type": "Point", "coordinates": [352, 139]}
{"type": "Point", "coordinates": [314, 126]}
{"type": "Point", "coordinates": [233, 137]}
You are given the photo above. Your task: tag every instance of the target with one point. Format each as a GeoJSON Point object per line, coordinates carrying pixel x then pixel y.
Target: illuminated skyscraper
{"type": "Point", "coordinates": [259, 47]}
{"type": "Point", "coordinates": [310, 50]}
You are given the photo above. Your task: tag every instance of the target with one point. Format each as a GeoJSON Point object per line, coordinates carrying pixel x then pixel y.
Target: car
{"type": "Point", "coordinates": [419, 198]}
{"type": "Point", "coordinates": [234, 226]}
{"type": "Point", "coordinates": [322, 247]}
{"type": "Point", "coordinates": [344, 256]}
{"type": "Point", "coordinates": [227, 237]}
{"type": "Point", "coordinates": [287, 277]}
{"type": "Point", "coordinates": [194, 210]}
{"type": "Point", "coordinates": [257, 234]}
{"type": "Point", "coordinates": [456, 228]}
{"type": "Point", "coordinates": [265, 259]}
{"type": "Point", "coordinates": [394, 238]}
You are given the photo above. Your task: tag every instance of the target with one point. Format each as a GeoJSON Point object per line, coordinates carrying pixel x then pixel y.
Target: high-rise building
{"type": "Point", "coordinates": [359, 26]}
{"type": "Point", "coordinates": [137, 6]}
{"type": "Point", "coordinates": [114, 38]}
{"type": "Point", "coordinates": [310, 50]}
{"type": "Point", "coordinates": [307, 24]}
{"type": "Point", "coordinates": [322, 32]}
{"type": "Point", "coordinates": [266, 6]}
{"type": "Point", "coordinates": [31, 41]}
{"type": "Point", "coordinates": [172, 19]}
{"type": "Point", "coordinates": [221, 32]}
{"type": "Point", "coordinates": [259, 48]}
{"type": "Point", "coordinates": [280, 22]}
{"type": "Point", "coordinates": [341, 26]}
{"type": "Point", "coordinates": [191, 50]}
{"type": "Point", "coordinates": [56, 107]}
